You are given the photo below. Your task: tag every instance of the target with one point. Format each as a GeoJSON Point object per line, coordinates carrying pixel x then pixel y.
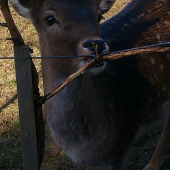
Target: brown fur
{"type": "Point", "coordinates": [97, 116]}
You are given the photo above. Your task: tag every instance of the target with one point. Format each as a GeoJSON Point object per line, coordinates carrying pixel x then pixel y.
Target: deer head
{"type": "Point", "coordinates": [66, 27]}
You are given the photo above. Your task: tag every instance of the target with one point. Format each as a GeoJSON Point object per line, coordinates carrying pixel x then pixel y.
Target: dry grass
{"type": "Point", "coordinates": [10, 143]}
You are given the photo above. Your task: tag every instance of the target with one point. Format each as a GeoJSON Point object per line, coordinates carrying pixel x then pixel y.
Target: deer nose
{"type": "Point", "coordinates": [93, 45]}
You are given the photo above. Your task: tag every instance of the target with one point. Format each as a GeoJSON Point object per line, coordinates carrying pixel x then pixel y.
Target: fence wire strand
{"type": "Point", "coordinates": [161, 45]}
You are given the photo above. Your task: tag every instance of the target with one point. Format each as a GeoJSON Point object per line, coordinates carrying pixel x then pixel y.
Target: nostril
{"type": "Point", "coordinates": [88, 44]}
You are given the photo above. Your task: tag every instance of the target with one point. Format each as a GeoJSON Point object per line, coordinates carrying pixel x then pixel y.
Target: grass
{"type": "Point", "coordinates": [10, 141]}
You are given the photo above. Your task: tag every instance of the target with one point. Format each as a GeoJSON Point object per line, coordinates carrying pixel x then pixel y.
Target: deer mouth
{"type": "Point", "coordinates": [99, 63]}
{"type": "Point", "coordinates": [96, 63]}
{"type": "Point", "coordinates": [96, 68]}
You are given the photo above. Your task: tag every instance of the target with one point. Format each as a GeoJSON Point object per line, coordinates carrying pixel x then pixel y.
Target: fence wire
{"type": "Point", "coordinates": [51, 57]}
{"type": "Point", "coordinates": [161, 45]}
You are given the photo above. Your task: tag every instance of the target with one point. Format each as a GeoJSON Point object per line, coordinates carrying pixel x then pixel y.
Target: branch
{"type": "Point", "coordinates": [162, 47]}
{"type": "Point", "coordinates": [15, 34]}
{"type": "Point", "coordinates": [66, 82]}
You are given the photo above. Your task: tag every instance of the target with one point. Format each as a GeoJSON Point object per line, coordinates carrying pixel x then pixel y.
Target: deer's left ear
{"type": "Point", "coordinates": [21, 8]}
{"type": "Point", "coordinates": [105, 5]}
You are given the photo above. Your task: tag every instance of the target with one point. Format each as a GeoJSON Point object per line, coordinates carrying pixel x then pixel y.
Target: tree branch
{"type": "Point", "coordinates": [162, 47]}
{"type": "Point", "coordinates": [15, 34]}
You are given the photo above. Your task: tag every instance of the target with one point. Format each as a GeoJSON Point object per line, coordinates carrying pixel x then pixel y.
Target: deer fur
{"type": "Point", "coordinates": [96, 118]}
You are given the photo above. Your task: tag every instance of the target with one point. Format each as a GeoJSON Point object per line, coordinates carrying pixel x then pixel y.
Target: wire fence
{"type": "Point", "coordinates": [148, 48]}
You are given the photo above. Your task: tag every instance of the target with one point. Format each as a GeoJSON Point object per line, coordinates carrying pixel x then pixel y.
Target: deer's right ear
{"type": "Point", "coordinates": [21, 8]}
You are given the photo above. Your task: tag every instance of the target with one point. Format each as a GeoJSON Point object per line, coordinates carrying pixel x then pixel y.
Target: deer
{"type": "Point", "coordinates": [96, 118]}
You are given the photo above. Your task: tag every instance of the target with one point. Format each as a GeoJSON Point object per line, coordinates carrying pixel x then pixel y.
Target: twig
{"type": "Point", "coordinates": [66, 82]}
{"type": "Point", "coordinates": [163, 47]}
{"type": "Point", "coordinates": [15, 34]}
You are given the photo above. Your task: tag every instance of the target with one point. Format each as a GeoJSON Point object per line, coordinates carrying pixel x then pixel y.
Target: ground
{"type": "Point", "coordinates": [10, 141]}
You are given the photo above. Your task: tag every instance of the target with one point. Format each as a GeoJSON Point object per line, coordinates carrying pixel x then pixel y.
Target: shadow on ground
{"type": "Point", "coordinates": [11, 156]}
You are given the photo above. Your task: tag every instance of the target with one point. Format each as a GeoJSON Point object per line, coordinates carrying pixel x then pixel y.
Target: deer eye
{"type": "Point", "coordinates": [50, 20]}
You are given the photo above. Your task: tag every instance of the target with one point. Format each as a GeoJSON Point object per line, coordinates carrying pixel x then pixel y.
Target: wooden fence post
{"type": "Point", "coordinates": [26, 107]}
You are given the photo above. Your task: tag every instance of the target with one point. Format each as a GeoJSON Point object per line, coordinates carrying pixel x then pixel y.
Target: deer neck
{"type": "Point", "coordinates": [86, 89]}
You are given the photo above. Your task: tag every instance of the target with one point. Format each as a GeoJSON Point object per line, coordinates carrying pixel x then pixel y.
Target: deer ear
{"type": "Point", "coordinates": [105, 5]}
{"type": "Point", "coordinates": [21, 8]}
